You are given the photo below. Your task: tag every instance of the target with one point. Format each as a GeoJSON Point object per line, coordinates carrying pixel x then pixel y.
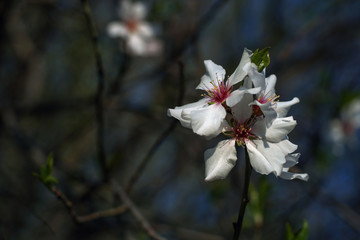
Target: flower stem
{"type": "Point", "coordinates": [244, 197]}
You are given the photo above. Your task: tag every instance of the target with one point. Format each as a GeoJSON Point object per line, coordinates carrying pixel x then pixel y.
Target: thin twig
{"type": "Point", "coordinates": [103, 214]}
{"type": "Point", "coordinates": [135, 211]}
{"type": "Point", "coordinates": [163, 135]}
{"type": "Point", "coordinates": [99, 98]}
{"type": "Point", "coordinates": [245, 198]}
{"type": "Point", "coordinates": [135, 176]}
{"type": "Point", "coordinates": [117, 84]}
{"type": "Point", "coordinates": [66, 202]}
{"type": "Point", "coordinates": [181, 83]}
{"type": "Point", "coordinates": [90, 217]}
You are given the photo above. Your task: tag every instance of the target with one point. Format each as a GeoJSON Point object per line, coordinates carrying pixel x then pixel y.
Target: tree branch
{"type": "Point", "coordinates": [99, 98]}
{"type": "Point", "coordinates": [137, 214]}
{"type": "Point", "coordinates": [163, 135]}
{"type": "Point", "coordinates": [103, 214]}
{"type": "Point", "coordinates": [90, 217]}
{"type": "Point", "coordinates": [245, 198]}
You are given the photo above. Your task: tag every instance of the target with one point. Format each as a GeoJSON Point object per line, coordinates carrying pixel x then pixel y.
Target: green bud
{"type": "Point", "coordinates": [261, 58]}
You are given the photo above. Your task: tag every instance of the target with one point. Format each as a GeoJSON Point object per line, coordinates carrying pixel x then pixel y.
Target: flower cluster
{"type": "Point", "coordinates": [250, 116]}
{"type": "Point", "coordinates": [139, 36]}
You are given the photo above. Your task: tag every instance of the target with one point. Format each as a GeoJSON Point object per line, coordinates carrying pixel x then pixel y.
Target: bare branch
{"type": "Point", "coordinates": [90, 217]}
{"type": "Point", "coordinates": [103, 214]}
{"type": "Point", "coordinates": [137, 214]}
{"type": "Point", "coordinates": [99, 98]}
{"type": "Point", "coordinates": [66, 202]}
{"type": "Point", "coordinates": [163, 135]}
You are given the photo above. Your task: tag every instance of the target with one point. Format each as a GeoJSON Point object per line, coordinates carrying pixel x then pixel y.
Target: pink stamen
{"type": "Point", "coordinates": [265, 98]}
{"type": "Point", "coordinates": [268, 97]}
{"type": "Point", "coordinates": [241, 132]}
{"type": "Point", "coordinates": [219, 93]}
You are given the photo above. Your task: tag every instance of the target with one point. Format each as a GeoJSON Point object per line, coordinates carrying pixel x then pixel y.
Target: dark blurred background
{"type": "Point", "coordinates": [48, 88]}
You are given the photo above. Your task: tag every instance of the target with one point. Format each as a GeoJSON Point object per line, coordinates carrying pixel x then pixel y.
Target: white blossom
{"type": "Point", "coordinates": [139, 35]}
{"type": "Point", "coordinates": [266, 102]}
{"type": "Point", "coordinates": [250, 116]}
{"type": "Point", "coordinates": [206, 117]}
{"type": "Point", "coordinates": [268, 147]}
{"type": "Point", "coordinates": [343, 129]}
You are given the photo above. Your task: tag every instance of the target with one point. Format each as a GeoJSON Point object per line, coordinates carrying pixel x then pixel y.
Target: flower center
{"type": "Point", "coordinates": [241, 131]}
{"type": "Point", "coordinates": [257, 110]}
{"type": "Point", "coordinates": [268, 97]}
{"type": "Point", "coordinates": [265, 98]}
{"type": "Point", "coordinates": [132, 25]}
{"type": "Point", "coordinates": [219, 92]}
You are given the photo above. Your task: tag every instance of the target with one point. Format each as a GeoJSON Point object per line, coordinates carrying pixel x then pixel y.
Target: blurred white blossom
{"type": "Point", "coordinates": [139, 35]}
{"type": "Point", "coordinates": [343, 129]}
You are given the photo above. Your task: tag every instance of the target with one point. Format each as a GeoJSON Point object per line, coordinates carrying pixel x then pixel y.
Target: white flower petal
{"type": "Point", "coordinates": [265, 157]}
{"type": "Point", "coordinates": [205, 83]}
{"type": "Point", "coordinates": [351, 113]}
{"type": "Point", "coordinates": [215, 74]}
{"type": "Point", "coordinates": [242, 111]}
{"type": "Point", "coordinates": [220, 160]}
{"type": "Point", "coordinates": [259, 128]}
{"type": "Point", "coordinates": [154, 46]}
{"type": "Point", "coordinates": [136, 44]}
{"type": "Point", "coordinates": [270, 84]}
{"type": "Point", "coordinates": [257, 78]}
{"type": "Point", "coordinates": [182, 113]}
{"type": "Point", "coordinates": [336, 133]}
{"type": "Point", "coordinates": [125, 9]}
{"type": "Point", "coordinates": [257, 160]}
{"type": "Point", "coordinates": [268, 110]}
{"type": "Point", "coordinates": [286, 146]}
{"type": "Point", "coordinates": [208, 121]}
{"type": "Point", "coordinates": [145, 30]}
{"type": "Point", "coordinates": [132, 11]}
{"type": "Point", "coordinates": [139, 10]}
{"type": "Point", "coordinates": [282, 108]}
{"type": "Point", "coordinates": [239, 73]}
{"type": "Point", "coordinates": [176, 113]}
{"type": "Point", "coordinates": [290, 176]}
{"type": "Point", "coordinates": [291, 160]}
{"type": "Point", "coordinates": [279, 128]}
{"type": "Point", "coordinates": [248, 83]}
{"type": "Point", "coordinates": [238, 94]}
{"type": "Point", "coordinates": [117, 29]}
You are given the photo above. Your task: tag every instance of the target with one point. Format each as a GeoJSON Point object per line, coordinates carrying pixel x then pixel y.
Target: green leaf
{"type": "Point", "coordinates": [38, 176]}
{"type": "Point", "coordinates": [261, 58]}
{"type": "Point", "coordinates": [301, 234]}
{"type": "Point", "coordinates": [258, 196]}
{"type": "Point", "coordinates": [50, 180]}
{"type": "Point", "coordinates": [289, 233]}
{"type": "Point", "coordinates": [50, 163]}
{"type": "Point", "coordinates": [46, 171]}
